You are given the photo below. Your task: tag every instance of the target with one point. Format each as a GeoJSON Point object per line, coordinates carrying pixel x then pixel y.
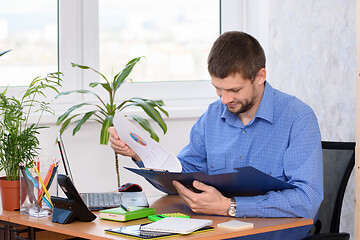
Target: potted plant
{"type": "Point", "coordinates": [18, 136]}
{"type": "Point", "coordinates": [104, 112]}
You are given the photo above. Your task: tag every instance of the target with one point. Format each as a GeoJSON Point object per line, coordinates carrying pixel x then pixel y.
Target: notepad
{"type": "Point", "coordinates": [235, 224]}
{"type": "Point", "coordinates": [176, 225]}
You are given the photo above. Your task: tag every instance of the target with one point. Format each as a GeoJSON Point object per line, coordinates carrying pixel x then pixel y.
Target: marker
{"type": "Point", "coordinates": [124, 207]}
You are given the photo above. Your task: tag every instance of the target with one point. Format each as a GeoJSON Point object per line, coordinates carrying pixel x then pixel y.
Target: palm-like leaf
{"type": "Point", "coordinates": [121, 77]}
{"type": "Point", "coordinates": [83, 120]}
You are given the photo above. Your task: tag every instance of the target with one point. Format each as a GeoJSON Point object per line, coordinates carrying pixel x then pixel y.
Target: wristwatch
{"type": "Point", "coordinates": [232, 209]}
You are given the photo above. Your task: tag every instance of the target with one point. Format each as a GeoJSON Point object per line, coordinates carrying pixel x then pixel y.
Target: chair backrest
{"type": "Point", "coordinates": [339, 160]}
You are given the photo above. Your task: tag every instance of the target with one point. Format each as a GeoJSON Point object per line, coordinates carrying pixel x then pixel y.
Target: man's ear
{"type": "Point", "coordinates": [261, 76]}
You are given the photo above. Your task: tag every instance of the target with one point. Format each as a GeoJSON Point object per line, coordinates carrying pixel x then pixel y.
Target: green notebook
{"type": "Point", "coordinates": [119, 214]}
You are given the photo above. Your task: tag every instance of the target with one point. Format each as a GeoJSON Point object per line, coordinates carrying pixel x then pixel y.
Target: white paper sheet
{"type": "Point", "coordinates": [151, 152]}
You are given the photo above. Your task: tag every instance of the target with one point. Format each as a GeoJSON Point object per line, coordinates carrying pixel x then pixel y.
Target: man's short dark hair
{"type": "Point", "coordinates": [236, 52]}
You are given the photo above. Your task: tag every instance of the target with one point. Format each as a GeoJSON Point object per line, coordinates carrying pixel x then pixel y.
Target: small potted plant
{"type": "Point", "coordinates": [104, 112]}
{"type": "Point", "coordinates": [18, 136]}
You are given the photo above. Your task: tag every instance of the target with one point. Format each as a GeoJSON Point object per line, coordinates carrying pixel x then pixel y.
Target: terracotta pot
{"type": "Point", "coordinates": [10, 194]}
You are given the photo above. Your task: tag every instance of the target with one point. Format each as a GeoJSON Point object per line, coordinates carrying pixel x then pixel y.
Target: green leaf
{"type": "Point", "coordinates": [75, 91]}
{"type": "Point", "coordinates": [157, 103]}
{"type": "Point", "coordinates": [125, 72]}
{"type": "Point", "coordinates": [70, 110]}
{"type": "Point", "coordinates": [151, 112]}
{"type": "Point", "coordinates": [67, 122]}
{"type": "Point", "coordinates": [106, 86]}
{"type": "Point", "coordinates": [83, 120]}
{"type": "Point", "coordinates": [81, 91]}
{"type": "Point", "coordinates": [79, 66]}
{"type": "Point", "coordinates": [104, 135]}
{"type": "Point", "coordinates": [163, 111]}
{"type": "Point", "coordinates": [86, 67]}
{"type": "Point", "coordinates": [93, 84]}
{"type": "Point", "coordinates": [4, 52]}
{"type": "Point", "coordinates": [146, 125]}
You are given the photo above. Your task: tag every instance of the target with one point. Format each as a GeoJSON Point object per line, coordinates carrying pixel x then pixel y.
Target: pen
{"type": "Point", "coordinates": [124, 207]}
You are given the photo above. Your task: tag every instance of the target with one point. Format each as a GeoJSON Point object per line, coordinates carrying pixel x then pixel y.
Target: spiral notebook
{"type": "Point", "coordinates": [176, 225]}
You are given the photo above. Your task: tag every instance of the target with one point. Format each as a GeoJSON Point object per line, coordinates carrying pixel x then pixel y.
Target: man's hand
{"type": "Point", "coordinates": [209, 201]}
{"type": "Point", "coordinates": [120, 146]}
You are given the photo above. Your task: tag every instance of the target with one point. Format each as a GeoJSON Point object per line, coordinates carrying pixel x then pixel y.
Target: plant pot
{"type": "Point", "coordinates": [10, 194]}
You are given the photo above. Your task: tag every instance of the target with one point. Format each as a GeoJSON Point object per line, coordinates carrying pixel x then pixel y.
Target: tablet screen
{"type": "Point", "coordinates": [134, 231]}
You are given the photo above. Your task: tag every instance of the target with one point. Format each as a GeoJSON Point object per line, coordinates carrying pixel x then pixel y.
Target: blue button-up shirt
{"type": "Point", "coordinates": [283, 140]}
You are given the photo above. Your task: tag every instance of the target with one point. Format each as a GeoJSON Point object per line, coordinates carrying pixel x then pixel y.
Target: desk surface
{"type": "Point", "coordinates": [164, 204]}
{"type": "Point", "coordinates": [5, 215]}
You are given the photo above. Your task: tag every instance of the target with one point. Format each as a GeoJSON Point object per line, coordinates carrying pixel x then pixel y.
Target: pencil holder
{"type": "Point", "coordinates": [34, 200]}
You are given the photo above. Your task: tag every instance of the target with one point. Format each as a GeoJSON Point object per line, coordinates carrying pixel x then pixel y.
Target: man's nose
{"type": "Point", "coordinates": [226, 97]}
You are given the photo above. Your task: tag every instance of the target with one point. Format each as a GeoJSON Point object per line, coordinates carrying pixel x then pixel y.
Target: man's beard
{"type": "Point", "coordinates": [244, 107]}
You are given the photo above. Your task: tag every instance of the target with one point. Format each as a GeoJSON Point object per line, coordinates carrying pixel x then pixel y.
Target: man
{"type": "Point", "coordinates": [251, 125]}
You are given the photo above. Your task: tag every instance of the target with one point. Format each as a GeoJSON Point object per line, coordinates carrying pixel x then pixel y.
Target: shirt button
{"type": "Point", "coordinates": [270, 173]}
{"type": "Point", "coordinates": [244, 131]}
{"type": "Point", "coordinates": [241, 157]}
{"type": "Point", "coordinates": [212, 166]}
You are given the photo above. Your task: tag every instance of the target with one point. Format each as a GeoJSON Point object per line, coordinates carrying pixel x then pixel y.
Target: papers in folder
{"type": "Point", "coordinates": [246, 181]}
{"type": "Point", "coordinates": [151, 153]}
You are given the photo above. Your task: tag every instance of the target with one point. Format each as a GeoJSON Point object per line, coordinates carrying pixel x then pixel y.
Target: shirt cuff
{"type": "Point", "coordinates": [246, 207]}
{"type": "Point", "coordinates": [140, 164]}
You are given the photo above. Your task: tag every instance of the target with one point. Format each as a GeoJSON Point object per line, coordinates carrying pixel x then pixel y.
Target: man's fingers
{"type": "Point", "coordinates": [189, 196]}
{"type": "Point", "coordinates": [183, 193]}
{"type": "Point", "coordinates": [179, 187]}
{"type": "Point", "coordinates": [183, 190]}
{"type": "Point", "coordinates": [113, 133]}
{"type": "Point", "coordinates": [201, 186]}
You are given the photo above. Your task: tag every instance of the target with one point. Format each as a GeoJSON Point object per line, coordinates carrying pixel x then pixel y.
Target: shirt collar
{"type": "Point", "coordinates": [265, 110]}
{"type": "Point", "coordinates": [266, 107]}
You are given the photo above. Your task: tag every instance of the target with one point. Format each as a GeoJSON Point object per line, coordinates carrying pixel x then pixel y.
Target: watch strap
{"type": "Point", "coordinates": [232, 209]}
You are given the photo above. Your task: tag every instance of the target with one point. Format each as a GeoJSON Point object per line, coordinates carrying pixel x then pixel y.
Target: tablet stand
{"type": "Point", "coordinates": [68, 210]}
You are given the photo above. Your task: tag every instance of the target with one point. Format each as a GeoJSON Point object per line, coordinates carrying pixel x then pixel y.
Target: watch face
{"type": "Point", "coordinates": [232, 212]}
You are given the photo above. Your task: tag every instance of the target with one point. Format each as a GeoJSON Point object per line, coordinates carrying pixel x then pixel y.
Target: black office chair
{"type": "Point", "coordinates": [339, 161]}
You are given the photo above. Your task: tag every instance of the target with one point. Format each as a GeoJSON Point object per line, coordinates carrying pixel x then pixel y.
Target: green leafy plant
{"type": "Point", "coordinates": [18, 137]}
{"type": "Point", "coordinates": [104, 112]}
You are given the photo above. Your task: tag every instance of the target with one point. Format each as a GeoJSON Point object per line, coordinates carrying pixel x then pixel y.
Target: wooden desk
{"type": "Point", "coordinates": [164, 204]}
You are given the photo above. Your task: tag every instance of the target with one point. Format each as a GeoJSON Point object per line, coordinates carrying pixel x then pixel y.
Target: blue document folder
{"type": "Point", "coordinates": [246, 181]}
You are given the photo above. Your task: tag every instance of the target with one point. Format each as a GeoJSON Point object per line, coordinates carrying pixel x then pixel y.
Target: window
{"type": "Point", "coordinates": [174, 36]}
{"type": "Point", "coordinates": [31, 35]}
{"type": "Point", "coordinates": [84, 27]}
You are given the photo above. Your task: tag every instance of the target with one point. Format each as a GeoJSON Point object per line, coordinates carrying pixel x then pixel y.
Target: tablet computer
{"type": "Point", "coordinates": [67, 210]}
{"type": "Point", "coordinates": [134, 231]}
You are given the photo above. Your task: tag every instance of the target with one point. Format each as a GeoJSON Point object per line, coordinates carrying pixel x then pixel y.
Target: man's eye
{"type": "Point", "coordinates": [235, 90]}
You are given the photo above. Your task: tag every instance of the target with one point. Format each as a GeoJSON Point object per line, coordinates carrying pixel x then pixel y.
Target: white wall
{"type": "Point", "coordinates": [312, 55]}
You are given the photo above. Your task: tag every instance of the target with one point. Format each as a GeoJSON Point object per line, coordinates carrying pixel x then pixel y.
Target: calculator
{"type": "Point", "coordinates": [157, 217]}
